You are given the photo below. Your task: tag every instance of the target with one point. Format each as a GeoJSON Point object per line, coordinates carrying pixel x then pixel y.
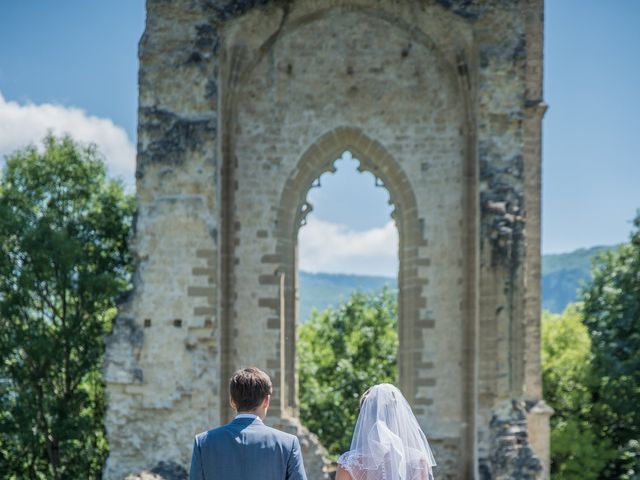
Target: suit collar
{"type": "Point", "coordinates": [246, 421]}
{"type": "Point", "coordinates": [246, 415]}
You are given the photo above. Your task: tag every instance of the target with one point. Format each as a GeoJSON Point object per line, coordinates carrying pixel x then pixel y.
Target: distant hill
{"type": "Point", "coordinates": [562, 275]}
{"type": "Point", "coordinates": [321, 290]}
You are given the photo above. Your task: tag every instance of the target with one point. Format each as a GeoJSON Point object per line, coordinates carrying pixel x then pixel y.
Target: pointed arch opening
{"type": "Point", "coordinates": [347, 269]}
{"type": "Point", "coordinates": [292, 210]}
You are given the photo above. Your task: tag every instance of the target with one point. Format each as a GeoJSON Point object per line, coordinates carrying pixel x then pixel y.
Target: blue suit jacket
{"type": "Point", "coordinates": [246, 449]}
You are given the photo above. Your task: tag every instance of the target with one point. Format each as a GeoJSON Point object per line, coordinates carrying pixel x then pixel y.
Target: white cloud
{"type": "Point", "coordinates": [328, 247]}
{"type": "Point", "coordinates": [24, 124]}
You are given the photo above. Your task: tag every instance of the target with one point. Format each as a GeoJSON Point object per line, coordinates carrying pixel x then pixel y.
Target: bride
{"type": "Point", "coordinates": [387, 443]}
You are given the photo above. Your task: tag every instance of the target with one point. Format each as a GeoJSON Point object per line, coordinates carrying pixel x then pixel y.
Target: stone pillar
{"type": "Point", "coordinates": [539, 432]}
{"type": "Point", "coordinates": [539, 413]}
{"type": "Point", "coordinates": [162, 358]}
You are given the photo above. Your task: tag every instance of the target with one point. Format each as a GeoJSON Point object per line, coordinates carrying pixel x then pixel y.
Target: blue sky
{"type": "Point", "coordinates": [591, 159]}
{"type": "Point", "coordinates": [74, 52]}
{"type": "Point", "coordinates": [74, 64]}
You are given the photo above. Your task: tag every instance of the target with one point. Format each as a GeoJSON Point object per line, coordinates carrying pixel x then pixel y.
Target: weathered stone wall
{"type": "Point", "coordinates": [163, 356]}
{"type": "Point", "coordinates": [511, 455]}
{"type": "Point", "coordinates": [242, 105]}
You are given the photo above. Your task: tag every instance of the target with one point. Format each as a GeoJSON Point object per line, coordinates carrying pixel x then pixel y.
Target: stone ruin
{"type": "Point", "coordinates": [242, 105]}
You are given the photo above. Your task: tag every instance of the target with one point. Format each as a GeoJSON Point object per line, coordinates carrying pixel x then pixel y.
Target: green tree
{"type": "Point", "coordinates": [63, 232]}
{"type": "Point", "coordinates": [577, 452]}
{"type": "Point", "coordinates": [342, 352]}
{"type": "Point", "coordinates": [612, 315]}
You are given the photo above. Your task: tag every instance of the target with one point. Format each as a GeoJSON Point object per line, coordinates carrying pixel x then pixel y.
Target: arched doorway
{"type": "Point", "coordinates": [287, 118]}
{"type": "Point", "coordinates": [347, 269]}
{"type": "Point", "coordinates": [318, 159]}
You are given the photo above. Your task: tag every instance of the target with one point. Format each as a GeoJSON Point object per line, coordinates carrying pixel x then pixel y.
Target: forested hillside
{"type": "Point", "coordinates": [562, 275]}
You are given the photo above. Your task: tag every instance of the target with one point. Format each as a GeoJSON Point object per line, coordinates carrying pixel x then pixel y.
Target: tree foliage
{"type": "Point", "coordinates": [612, 315]}
{"type": "Point", "coordinates": [591, 372]}
{"type": "Point", "coordinates": [63, 232]}
{"type": "Point", "coordinates": [342, 352]}
{"type": "Point", "coordinates": [577, 452]}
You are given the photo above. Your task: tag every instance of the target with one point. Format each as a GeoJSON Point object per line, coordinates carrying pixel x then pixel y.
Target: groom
{"type": "Point", "coordinates": [246, 449]}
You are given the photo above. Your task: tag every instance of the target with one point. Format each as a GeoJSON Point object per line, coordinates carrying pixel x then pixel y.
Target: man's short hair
{"type": "Point", "coordinates": [249, 387]}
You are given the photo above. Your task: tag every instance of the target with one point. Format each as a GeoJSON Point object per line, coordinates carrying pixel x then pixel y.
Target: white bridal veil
{"type": "Point", "coordinates": [388, 443]}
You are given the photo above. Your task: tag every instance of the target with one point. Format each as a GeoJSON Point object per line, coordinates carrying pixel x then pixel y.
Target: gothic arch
{"type": "Point", "coordinates": [288, 26]}
{"type": "Point", "coordinates": [317, 159]}
{"type": "Point", "coordinates": [274, 269]}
